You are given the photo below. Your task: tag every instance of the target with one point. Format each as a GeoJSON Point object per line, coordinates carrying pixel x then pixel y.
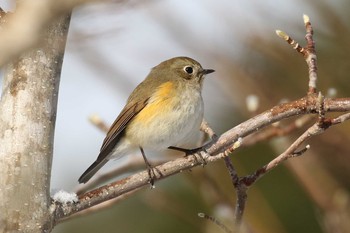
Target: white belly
{"type": "Point", "coordinates": [171, 126]}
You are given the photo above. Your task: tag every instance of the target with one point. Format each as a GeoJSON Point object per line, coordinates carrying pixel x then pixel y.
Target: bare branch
{"type": "Point", "coordinates": [214, 220]}
{"type": "Point", "coordinates": [315, 129]}
{"type": "Point", "coordinates": [308, 52]}
{"type": "Point", "coordinates": [241, 193]}
{"type": "Point", "coordinates": [207, 129]}
{"type": "Point", "coordinates": [295, 45]}
{"type": "Point", "coordinates": [25, 28]}
{"type": "Point", "coordinates": [341, 119]}
{"type": "Point", "coordinates": [136, 163]}
{"type": "Point", "coordinates": [320, 108]}
{"type": "Point", "coordinates": [99, 123]}
{"type": "Point", "coordinates": [96, 208]}
{"type": "Point", "coordinates": [276, 130]}
{"type": "Point", "coordinates": [310, 58]}
{"type": "Point", "coordinates": [210, 153]}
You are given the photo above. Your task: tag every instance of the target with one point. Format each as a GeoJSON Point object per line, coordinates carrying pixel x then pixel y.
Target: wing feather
{"type": "Point", "coordinates": [118, 126]}
{"type": "Point", "coordinates": [114, 134]}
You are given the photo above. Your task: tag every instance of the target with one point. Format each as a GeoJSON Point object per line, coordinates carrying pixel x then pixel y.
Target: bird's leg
{"type": "Point", "coordinates": [150, 169]}
{"type": "Point", "coordinates": [189, 152]}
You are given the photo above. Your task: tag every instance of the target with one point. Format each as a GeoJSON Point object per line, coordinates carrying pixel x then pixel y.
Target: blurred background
{"type": "Point", "coordinates": [111, 48]}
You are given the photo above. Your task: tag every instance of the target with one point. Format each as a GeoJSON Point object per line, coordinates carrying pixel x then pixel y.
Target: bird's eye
{"type": "Point", "coordinates": [188, 69]}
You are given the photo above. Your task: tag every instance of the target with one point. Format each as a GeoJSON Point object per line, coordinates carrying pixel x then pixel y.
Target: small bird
{"type": "Point", "coordinates": [162, 112]}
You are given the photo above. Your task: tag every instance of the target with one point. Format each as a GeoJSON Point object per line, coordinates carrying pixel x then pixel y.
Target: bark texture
{"type": "Point", "coordinates": [27, 120]}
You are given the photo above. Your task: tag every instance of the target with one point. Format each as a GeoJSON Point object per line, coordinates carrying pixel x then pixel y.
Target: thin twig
{"type": "Point", "coordinates": [276, 130]}
{"type": "Point", "coordinates": [216, 221]}
{"type": "Point", "coordinates": [340, 119]}
{"type": "Point", "coordinates": [205, 127]}
{"type": "Point", "coordinates": [295, 45]}
{"type": "Point", "coordinates": [313, 130]}
{"type": "Point", "coordinates": [239, 187]}
{"type": "Point", "coordinates": [310, 56]}
{"type": "Point", "coordinates": [308, 52]}
{"type": "Point", "coordinates": [241, 192]}
{"type": "Point", "coordinates": [320, 108]}
{"type": "Point", "coordinates": [99, 123]}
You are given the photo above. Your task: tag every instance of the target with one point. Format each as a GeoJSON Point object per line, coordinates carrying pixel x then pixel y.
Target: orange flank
{"type": "Point", "coordinates": [158, 104]}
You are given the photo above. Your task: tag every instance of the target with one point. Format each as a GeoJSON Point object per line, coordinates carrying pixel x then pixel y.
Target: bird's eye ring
{"type": "Point", "coordinates": [188, 69]}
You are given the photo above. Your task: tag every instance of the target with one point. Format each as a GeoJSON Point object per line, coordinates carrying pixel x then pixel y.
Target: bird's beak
{"type": "Point", "coordinates": [207, 71]}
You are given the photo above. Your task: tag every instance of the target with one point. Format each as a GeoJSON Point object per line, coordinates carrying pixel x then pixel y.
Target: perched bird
{"type": "Point", "coordinates": [163, 111]}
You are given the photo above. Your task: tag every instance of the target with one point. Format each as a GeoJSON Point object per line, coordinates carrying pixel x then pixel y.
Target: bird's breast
{"type": "Point", "coordinates": [171, 115]}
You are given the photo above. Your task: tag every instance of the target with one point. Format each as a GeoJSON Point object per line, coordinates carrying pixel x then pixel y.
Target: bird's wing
{"type": "Point", "coordinates": [118, 126]}
{"type": "Point", "coordinates": [113, 136]}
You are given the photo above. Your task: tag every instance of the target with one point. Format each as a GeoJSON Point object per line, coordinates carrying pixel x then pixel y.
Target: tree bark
{"type": "Point", "coordinates": [27, 120]}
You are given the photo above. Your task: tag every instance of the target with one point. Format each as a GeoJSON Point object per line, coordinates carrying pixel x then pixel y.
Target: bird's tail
{"type": "Point", "coordinates": [86, 176]}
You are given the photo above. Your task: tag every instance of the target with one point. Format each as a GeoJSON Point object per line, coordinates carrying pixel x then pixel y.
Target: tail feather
{"type": "Point", "coordinates": [86, 176]}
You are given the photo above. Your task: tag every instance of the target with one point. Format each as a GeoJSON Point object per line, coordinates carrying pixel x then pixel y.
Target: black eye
{"type": "Point", "coordinates": [188, 69]}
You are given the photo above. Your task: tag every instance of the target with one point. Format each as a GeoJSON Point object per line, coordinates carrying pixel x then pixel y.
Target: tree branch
{"type": "Point", "coordinates": [211, 152]}
{"type": "Point", "coordinates": [309, 52]}
{"type": "Point", "coordinates": [25, 28]}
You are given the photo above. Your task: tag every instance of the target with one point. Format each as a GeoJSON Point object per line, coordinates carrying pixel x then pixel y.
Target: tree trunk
{"type": "Point", "coordinates": [27, 120]}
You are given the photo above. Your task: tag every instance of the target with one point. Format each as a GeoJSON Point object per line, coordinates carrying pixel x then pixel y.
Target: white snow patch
{"type": "Point", "coordinates": [65, 197]}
